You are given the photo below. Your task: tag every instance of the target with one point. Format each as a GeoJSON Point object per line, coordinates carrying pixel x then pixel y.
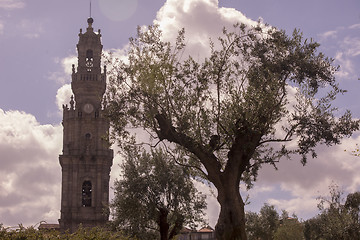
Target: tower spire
{"type": "Point", "coordinates": [90, 20]}
{"type": "Point", "coordinates": [90, 8]}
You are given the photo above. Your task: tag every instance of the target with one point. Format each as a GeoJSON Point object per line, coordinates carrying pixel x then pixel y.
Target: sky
{"type": "Point", "coordinates": [38, 45]}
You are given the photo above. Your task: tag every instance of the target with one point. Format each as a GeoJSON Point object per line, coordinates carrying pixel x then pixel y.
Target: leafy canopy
{"type": "Point", "coordinates": [268, 225]}
{"type": "Point", "coordinates": [257, 92]}
{"type": "Point", "coordinates": [154, 195]}
{"type": "Point", "coordinates": [338, 217]}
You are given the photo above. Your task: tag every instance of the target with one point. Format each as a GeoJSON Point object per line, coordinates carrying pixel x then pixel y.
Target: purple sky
{"type": "Point", "coordinates": [38, 43]}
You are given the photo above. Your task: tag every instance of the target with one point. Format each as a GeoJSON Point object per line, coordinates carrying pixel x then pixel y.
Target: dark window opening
{"type": "Point", "coordinates": [86, 194]}
{"type": "Point", "coordinates": [89, 55]}
{"type": "Point", "coordinates": [89, 60]}
{"type": "Point", "coordinates": [88, 136]}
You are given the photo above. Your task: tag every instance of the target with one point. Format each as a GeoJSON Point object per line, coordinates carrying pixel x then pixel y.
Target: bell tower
{"type": "Point", "coordinates": [86, 159]}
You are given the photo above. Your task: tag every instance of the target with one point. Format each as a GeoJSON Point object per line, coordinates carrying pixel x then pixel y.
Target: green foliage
{"type": "Point", "coordinates": [155, 195]}
{"type": "Point", "coordinates": [262, 225]}
{"type": "Point", "coordinates": [268, 225]}
{"type": "Point", "coordinates": [30, 233]}
{"type": "Point", "coordinates": [290, 228]}
{"type": "Point", "coordinates": [338, 219]}
{"type": "Point", "coordinates": [245, 85]}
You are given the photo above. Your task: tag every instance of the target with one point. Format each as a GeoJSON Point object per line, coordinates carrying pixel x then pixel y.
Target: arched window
{"type": "Point", "coordinates": [89, 55]}
{"type": "Point", "coordinates": [89, 60]}
{"type": "Point", "coordinates": [86, 194]}
{"type": "Point", "coordinates": [87, 136]}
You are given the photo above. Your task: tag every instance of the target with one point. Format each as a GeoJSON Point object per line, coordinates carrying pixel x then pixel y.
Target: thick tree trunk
{"type": "Point", "coordinates": [231, 222]}
{"type": "Point", "coordinates": [163, 224]}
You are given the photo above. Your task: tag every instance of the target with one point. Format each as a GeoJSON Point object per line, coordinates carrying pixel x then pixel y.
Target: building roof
{"type": "Point", "coordinates": [206, 229]}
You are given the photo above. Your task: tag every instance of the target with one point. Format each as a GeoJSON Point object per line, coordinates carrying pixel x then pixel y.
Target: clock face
{"type": "Point", "coordinates": [88, 108]}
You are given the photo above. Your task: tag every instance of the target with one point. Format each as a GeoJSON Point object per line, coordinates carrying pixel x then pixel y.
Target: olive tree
{"type": "Point", "coordinates": [154, 197]}
{"type": "Point", "coordinates": [260, 96]}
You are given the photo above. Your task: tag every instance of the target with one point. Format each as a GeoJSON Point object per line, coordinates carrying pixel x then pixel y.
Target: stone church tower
{"type": "Point", "coordinates": [86, 158]}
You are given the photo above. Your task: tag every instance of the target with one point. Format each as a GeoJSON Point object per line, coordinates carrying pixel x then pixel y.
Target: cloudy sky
{"type": "Point", "coordinates": [38, 45]}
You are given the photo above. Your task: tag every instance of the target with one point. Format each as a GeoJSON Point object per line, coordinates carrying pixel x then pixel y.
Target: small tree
{"type": "Point", "coordinates": [232, 112]}
{"type": "Point", "coordinates": [155, 197]}
{"type": "Point", "coordinates": [262, 225]}
{"type": "Point", "coordinates": [289, 228]}
{"type": "Point", "coordinates": [338, 219]}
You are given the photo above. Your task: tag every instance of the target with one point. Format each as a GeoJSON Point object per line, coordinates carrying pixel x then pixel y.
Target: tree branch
{"type": "Point", "coordinates": [207, 158]}
{"type": "Point", "coordinates": [184, 165]}
{"type": "Point", "coordinates": [285, 139]}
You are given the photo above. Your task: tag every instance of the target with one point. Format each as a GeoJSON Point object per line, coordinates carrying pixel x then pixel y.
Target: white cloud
{"type": "Point", "coordinates": [304, 206]}
{"type": "Point", "coordinates": [355, 26]}
{"type": "Point", "coordinates": [346, 44]}
{"type": "Point", "coordinates": [59, 77]}
{"type": "Point", "coordinates": [261, 189]}
{"type": "Point", "coordinates": [352, 46]}
{"type": "Point", "coordinates": [30, 29]}
{"type": "Point", "coordinates": [30, 171]}
{"type": "Point", "coordinates": [64, 76]}
{"type": "Point", "coordinates": [346, 65]}
{"type": "Point", "coordinates": [300, 186]}
{"type": "Point", "coordinates": [328, 34]}
{"type": "Point", "coordinates": [11, 4]}
{"type": "Point", "coordinates": [63, 96]}
{"type": "Point", "coordinates": [67, 64]}
{"type": "Point", "coordinates": [30, 174]}
{"type": "Point", "coordinates": [202, 20]}
{"type": "Point", "coordinates": [213, 207]}
{"type": "Point", "coordinates": [111, 56]}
